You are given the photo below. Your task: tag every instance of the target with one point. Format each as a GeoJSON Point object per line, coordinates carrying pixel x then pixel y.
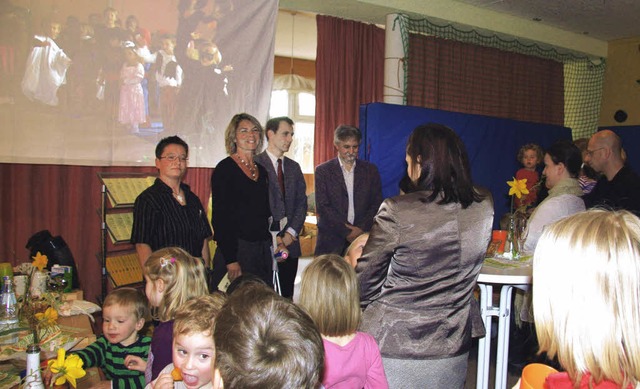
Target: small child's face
{"type": "Point", "coordinates": [167, 46]}
{"type": "Point", "coordinates": [120, 324]}
{"type": "Point", "coordinates": [111, 17]}
{"type": "Point", "coordinates": [530, 159]}
{"type": "Point", "coordinates": [192, 354]}
{"type": "Point", "coordinates": [54, 30]}
{"type": "Point", "coordinates": [154, 291]}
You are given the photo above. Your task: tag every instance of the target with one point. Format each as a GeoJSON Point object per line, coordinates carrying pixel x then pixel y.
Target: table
{"type": "Point", "coordinates": [80, 327]}
{"type": "Point", "coordinates": [509, 275]}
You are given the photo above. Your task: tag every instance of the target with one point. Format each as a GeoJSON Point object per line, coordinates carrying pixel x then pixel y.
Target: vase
{"type": "Point", "coordinates": [33, 378]}
{"type": "Point", "coordinates": [38, 283]}
{"type": "Point", "coordinates": [511, 245]}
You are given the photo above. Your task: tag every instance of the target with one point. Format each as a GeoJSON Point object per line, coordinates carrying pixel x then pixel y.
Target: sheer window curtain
{"type": "Point", "coordinates": [349, 72]}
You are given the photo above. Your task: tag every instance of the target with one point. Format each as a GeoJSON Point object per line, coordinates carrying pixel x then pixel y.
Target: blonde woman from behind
{"type": "Point", "coordinates": [586, 299]}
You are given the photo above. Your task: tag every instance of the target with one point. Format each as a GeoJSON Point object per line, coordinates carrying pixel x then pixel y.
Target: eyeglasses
{"type": "Point", "coordinates": [173, 158]}
{"type": "Point", "coordinates": [590, 152]}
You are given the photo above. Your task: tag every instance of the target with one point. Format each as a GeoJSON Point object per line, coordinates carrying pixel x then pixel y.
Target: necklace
{"type": "Point", "coordinates": [178, 197]}
{"type": "Point", "coordinates": [252, 169]}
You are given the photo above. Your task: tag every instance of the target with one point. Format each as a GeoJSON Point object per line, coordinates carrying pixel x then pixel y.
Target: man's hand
{"type": "Point", "coordinates": [355, 232]}
{"type": "Point", "coordinates": [234, 270]}
{"type": "Point", "coordinates": [287, 239]}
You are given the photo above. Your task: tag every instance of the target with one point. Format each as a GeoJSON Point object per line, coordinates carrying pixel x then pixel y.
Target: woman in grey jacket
{"type": "Point", "coordinates": [421, 262]}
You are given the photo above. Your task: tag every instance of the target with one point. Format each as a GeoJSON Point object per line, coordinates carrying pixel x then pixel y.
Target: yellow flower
{"type": "Point", "coordinates": [40, 261]}
{"type": "Point", "coordinates": [518, 187]}
{"type": "Point", "coordinates": [66, 369]}
{"type": "Point", "coordinates": [48, 317]}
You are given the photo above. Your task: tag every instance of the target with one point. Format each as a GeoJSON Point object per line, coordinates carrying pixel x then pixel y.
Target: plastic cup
{"type": "Point", "coordinates": [499, 236]}
{"type": "Point", "coordinates": [534, 376]}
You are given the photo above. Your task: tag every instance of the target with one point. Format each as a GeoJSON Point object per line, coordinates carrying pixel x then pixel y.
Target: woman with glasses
{"type": "Point", "coordinates": [240, 201]}
{"type": "Point", "coordinates": [168, 214]}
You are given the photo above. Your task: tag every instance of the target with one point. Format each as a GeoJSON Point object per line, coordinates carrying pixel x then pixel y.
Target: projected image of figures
{"type": "Point", "coordinates": [92, 84]}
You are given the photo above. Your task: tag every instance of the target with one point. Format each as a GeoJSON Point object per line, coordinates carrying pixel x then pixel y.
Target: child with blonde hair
{"type": "Point", "coordinates": [193, 347]}
{"type": "Point", "coordinates": [586, 299]}
{"type": "Point", "coordinates": [330, 295]}
{"type": "Point", "coordinates": [530, 156]}
{"type": "Point", "coordinates": [124, 313]}
{"type": "Point", "coordinates": [172, 277]}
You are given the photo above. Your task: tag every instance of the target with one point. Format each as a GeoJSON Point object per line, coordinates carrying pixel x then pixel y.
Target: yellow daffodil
{"type": "Point", "coordinates": [518, 187]}
{"type": "Point", "coordinates": [40, 261]}
{"type": "Point", "coordinates": [66, 369]}
{"type": "Point", "coordinates": [48, 317]}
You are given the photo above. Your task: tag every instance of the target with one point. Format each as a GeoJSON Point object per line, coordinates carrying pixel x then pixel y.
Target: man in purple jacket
{"type": "Point", "coordinates": [348, 194]}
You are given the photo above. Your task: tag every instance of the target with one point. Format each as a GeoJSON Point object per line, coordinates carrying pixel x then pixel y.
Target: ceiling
{"type": "Point", "coordinates": [583, 26]}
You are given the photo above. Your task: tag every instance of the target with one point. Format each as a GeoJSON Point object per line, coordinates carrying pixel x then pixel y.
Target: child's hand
{"type": "Point", "coordinates": [134, 362]}
{"type": "Point", "coordinates": [47, 375]}
{"type": "Point", "coordinates": [164, 381]}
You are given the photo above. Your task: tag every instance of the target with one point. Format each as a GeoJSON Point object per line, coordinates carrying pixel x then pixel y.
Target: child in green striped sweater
{"type": "Point", "coordinates": [124, 313]}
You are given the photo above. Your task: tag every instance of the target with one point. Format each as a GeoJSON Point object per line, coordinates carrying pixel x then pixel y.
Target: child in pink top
{"type": "Point", "coordinates": [329, 294]}
{"type": "Point", "coordinates": [131, 112]}
{"type": "Point", "coordinates": [530, 156]}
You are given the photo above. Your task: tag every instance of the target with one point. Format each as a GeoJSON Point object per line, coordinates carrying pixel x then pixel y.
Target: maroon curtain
{"type": "Point", "coordinates": [462, 77]}
{"type": "Point", "coordinates": [349, 72]}
{"type": "Point", "coordinates": [65, 200]}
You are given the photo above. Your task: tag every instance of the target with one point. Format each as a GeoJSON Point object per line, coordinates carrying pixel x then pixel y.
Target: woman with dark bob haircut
{"type": "Point", "coordinates": [421, 262]}
{"type": "Point", "coordinates": [561, 169]}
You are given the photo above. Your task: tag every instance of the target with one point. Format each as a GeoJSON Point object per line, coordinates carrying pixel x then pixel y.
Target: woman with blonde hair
{"type": "Point", "coordinates": [586, 299]}
{"type": "Point", "coordinates": [240, 204]}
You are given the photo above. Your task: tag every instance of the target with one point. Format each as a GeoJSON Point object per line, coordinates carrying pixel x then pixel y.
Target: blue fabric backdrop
{"type": "Point", "coordinates": [492, 144]}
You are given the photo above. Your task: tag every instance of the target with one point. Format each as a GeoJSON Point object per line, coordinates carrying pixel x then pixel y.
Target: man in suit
{"type": "Point", "coordinates": [287, 196]}
{"type": "Point", "coordinates": [348, 194]}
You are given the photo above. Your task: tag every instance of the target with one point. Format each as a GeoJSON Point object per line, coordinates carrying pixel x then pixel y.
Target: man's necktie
{"type": "Point", "coordinates": [280, 176]}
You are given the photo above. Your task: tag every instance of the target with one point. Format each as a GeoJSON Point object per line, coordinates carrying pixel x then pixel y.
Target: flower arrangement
{"type": "Point", "coordinates": [66, 369]}
{"type": "Point", "coordinates": [40, 312]}
{"type": "Point", "coordinates": [517, 188]}
{"type": "Point", "coordinates": [517, 219]}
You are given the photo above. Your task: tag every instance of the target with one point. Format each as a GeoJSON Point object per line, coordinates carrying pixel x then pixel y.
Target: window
{"type": "Point", "coordinates": [300, 106]}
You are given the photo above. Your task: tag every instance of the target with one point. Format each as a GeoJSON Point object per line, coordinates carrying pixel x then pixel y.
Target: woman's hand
{"type": "Point", "coordinates": [134, 362]}
{"type": "Point", "coordinates": [234, 270]}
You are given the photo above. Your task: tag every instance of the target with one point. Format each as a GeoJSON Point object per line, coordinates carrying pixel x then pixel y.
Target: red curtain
{"type": "Point", "coordinates": [462, 77]}
{"type": "Point", "coordinates": [65, 200]}
{"type": "Point", "coordinates": [349, 72]}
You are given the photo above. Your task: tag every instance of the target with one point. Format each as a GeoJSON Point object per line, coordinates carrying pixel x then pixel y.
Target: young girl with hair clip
{"type": "Point", "coordinates": [330, 295]}
{"type": "Point", "coordinates": [172, 277]}
{"type": "Point", "coordinates": [132, 110]}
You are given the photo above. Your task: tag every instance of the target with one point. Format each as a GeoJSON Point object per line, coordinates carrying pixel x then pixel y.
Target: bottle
{"type": "Point", "coordinates": [8, 313]}
{"type": "Point", "coordinates": [33, 377]}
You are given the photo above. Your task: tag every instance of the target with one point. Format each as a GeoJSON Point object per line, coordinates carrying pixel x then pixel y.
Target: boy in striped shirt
{"type": "Point", "coordinates": [124, 313]}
